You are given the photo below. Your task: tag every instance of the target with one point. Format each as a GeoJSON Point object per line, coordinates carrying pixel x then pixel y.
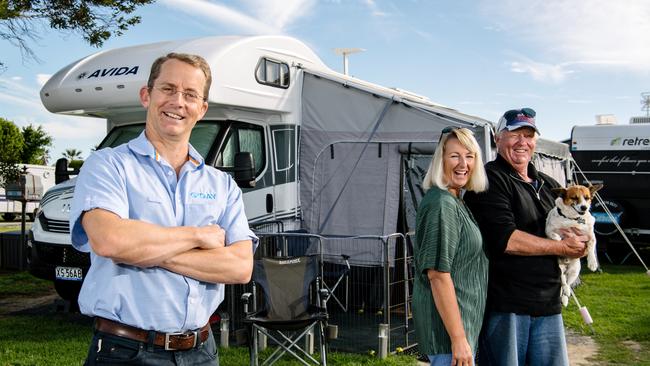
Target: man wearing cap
{"type": "Point", "coordinates": [523, 322]}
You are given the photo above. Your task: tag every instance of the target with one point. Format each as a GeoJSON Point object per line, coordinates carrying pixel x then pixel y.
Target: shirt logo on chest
{"type": "Point", "coordinates": [203, 195]}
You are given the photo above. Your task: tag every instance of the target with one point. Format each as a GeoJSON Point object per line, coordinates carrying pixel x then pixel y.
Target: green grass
{"type": "Point", "coordinates": [22, 284]}
{"type": "Point", "coordinates": [618, 300]}
{"type": "Point", "coordinates": [10, 228]}
{"type": "Point", "coordinates": [62, 338]}
{"type": "Point", "coordinates": [239, 356]}
{"type": "Point", "coordinates": [52, 339]}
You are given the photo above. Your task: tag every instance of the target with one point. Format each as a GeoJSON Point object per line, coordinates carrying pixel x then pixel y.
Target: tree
{"type": "Point", "coordinates": [97, 20]}
{"type": "Point", "coordinates": [37, 141]}
{"type": "Point", "coordinates": [72, 154]}
{"type": "Point", "coordinates": [11, 146]}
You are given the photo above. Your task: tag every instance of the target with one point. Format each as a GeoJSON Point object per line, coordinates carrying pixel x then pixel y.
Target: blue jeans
{"type": "Point", "coordinates": [509, 339]}
{"type": "Point", "coordinates": [118, 350]}
{"type": "Point", "coordinates": [440, 360]}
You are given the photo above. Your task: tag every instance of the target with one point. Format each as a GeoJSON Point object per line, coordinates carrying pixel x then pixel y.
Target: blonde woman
{"type": "Point", "coordinates": [451, 266]}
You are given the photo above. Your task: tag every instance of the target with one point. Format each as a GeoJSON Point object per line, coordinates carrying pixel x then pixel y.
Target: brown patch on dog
{"type": "Point", "coordinates": [573, 193]}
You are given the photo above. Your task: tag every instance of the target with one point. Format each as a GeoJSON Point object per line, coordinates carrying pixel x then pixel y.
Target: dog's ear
{"type": "Point", "coordinates": [595, 188]}
{"type": "Point", "coordinates": [559, 191]}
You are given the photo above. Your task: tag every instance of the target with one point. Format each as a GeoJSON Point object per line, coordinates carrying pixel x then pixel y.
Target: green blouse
{"type": "Point", "coordinates": [447, 239]}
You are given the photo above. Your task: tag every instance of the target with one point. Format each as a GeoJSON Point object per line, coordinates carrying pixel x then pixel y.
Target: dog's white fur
{"type": "Point", "coordinates": [573, 203]}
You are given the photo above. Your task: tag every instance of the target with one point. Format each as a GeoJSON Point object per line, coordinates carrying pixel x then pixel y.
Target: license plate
{"type": "Point", "coordinates": [68, 273]}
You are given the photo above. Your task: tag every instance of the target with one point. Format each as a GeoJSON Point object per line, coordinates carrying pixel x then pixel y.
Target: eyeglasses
{"type": "Point", "coordinates": [189, 96]}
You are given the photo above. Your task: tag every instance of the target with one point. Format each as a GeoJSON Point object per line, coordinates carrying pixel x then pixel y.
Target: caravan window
{"type": "Point", "coordinates": [202, 137]}
{"type": "Point", "coordinates": [272, 73]}
{"type": "Point", "coordinates": [283, 141]}
{"type": "Point", "coordinates": [243, 137]}
{"type": "Point", "coordinates": [120, 135]}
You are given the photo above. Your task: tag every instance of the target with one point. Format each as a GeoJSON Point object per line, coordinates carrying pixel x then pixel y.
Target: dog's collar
{"type": "Point", "coordinates": [579, 219]}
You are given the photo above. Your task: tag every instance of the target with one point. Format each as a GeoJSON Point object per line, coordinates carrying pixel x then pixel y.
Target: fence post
{"type": "Point", "coordinates": [386, 282]}
{"type": "Point", "coordinates": [224, 328]}
{"type": "Point", "coordinates": [261, 341]}
{"type": "Point", "coordinates": [384, 329]}
{"type": "Point", "coordinates": [309, 341]}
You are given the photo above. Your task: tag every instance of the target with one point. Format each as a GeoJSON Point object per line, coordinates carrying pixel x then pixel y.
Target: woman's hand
{"type": "Point", "coordinates": [461, 352]}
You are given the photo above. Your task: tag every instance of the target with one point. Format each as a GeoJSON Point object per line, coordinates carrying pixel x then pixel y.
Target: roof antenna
{"type": "Point", "coordinates": [345, 52]}
{"type": "Point", "coordinates": [645, 103]}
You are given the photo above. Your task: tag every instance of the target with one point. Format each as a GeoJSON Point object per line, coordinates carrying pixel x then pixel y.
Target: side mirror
{"type": "Point", "coordinates": [61, 171]}
{"type": "Point", "coordinates": [244, 170]}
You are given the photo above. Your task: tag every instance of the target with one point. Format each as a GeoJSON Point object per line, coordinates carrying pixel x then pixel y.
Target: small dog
{"type": "Point", "coordinates": [572, 211]}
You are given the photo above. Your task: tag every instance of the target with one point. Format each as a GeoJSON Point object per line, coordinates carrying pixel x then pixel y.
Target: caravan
{"type": "Point", "coordinates": [617, 156]}
{"type": "Point", "coordinates": [10, 209]}
{"type": "Point", "coordinates": [333, 155]}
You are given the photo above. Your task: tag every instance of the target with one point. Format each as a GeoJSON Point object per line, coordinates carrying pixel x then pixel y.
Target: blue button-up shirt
{"type": "Point", "coordinates": [134, 182]}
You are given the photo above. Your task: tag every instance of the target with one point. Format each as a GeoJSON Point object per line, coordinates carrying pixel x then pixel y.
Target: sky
{"type": "Point", "coordinates": [568, 60]}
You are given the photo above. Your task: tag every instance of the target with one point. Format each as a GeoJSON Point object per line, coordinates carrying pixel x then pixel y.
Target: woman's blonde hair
{"type": "Point", "coordinates": [435, 175]}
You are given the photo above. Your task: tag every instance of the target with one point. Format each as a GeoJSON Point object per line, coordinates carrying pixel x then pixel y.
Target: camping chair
{"type": "Point", "coordinates": [339, 273]}
{"type": "Point", "coordinates": [287, 314]}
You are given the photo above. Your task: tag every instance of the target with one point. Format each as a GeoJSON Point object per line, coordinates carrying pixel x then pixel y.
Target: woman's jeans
{"type": "Point", "coordinates": [441, 360]}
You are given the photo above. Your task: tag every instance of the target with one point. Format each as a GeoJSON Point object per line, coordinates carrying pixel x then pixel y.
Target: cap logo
{"type": "Point", "coordinates": [519, 118]}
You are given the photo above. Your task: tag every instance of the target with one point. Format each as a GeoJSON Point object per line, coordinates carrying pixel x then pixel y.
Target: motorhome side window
{"type": "Point", "coordinates": [243, 137]}
{"type": "Point", "coordinates": [284, 154]}
{"type": "Point", "coordinates": [272, 73]}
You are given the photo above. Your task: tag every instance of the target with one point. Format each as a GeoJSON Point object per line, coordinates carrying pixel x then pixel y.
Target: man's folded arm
{"type": "Point", "coordinates": [143, 244]}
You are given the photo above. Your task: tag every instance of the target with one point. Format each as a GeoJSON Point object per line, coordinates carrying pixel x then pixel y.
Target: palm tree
{"type": "Point", "coordinates": [72, 154]}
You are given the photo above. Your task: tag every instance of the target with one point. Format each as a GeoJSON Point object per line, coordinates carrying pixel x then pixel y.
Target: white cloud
{"type": "Point", "coordinates": [15, 87]}
{"type": "Point", "coordinates": [26, 102]}
{"type": "Point", "coordinates": [585, 34]}
{"type": "Point", "coordinates": [16, 78]}
{"type": "Point", "coordinates": [270, 17]}
{"type": "Point", "coordinates": [423, 34]}
{"type": "Point", "coordinates": [26, 108]}
{"type": "Point", "coordinates": [374, 9]}
{"type": "Point", "coordinates": [541, 71]}
{"type": "Point", "coordinates": [280, 13]}
{"type": "Point", "coordinates": [222, 14]}
{"type": "Point", "coordinates": [41, 79]}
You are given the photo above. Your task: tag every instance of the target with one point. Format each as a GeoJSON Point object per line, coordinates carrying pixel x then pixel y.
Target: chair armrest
{"type": "Point", "coordinates": [323, 296]}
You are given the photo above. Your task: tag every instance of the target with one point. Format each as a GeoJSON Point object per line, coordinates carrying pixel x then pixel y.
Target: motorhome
{"type": "Point", "coordinates": [329, 150]}
{"type": "Point", "coordinates": [333, 155]}
{"type": "Point", "coordinates": [618, 156]}
{"type": "Point", "coordinates": [10, 209]}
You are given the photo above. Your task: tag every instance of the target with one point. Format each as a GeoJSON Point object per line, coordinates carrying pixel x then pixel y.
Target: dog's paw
{"type": "Point", "coordinates": [592, 263]}
{"type": "Point", "coordinates": [565, 300]}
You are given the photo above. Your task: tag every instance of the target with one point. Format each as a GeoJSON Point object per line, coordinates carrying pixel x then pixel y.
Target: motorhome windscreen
{"type": "Point", "coordinates": [202, 138]}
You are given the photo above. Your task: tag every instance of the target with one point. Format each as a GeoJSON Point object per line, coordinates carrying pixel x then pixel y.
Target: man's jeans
{"type": "Point", "coordinates": [107, 349]}
{"type": "Point", "coordinates": [509, 339]}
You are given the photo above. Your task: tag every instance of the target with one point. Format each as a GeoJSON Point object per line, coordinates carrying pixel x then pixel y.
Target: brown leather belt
{"type": "Point", "coordinates": [170, 341]}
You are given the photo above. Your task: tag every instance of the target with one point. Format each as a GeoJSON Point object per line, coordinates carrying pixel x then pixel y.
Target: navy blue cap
{"type": "Point", "coordinates": [517, 118]}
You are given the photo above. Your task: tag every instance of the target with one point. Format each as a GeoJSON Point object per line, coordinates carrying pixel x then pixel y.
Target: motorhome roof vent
{"type": "Point", "coordinates": [605, 119]}
{"type": "Point", "coordinates": [639, 120]}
